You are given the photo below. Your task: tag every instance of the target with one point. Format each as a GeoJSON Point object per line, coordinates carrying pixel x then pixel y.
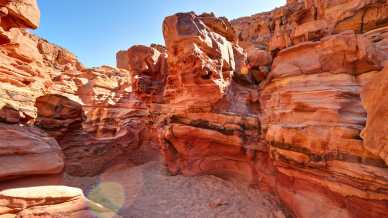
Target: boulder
{"type": "Point", "coordinates": [49, 201]}
{"type": "Point", "coordinates": [201, 59]}
{"type": "Point", "coordinates": [148, 69]}
{"type": "Point", "coordinates": [19, 14]}
{"type": "Point", "coordinates": [30, 152]}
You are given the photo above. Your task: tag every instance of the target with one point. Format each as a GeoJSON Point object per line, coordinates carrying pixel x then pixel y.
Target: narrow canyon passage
{"type": "Point", "coordinates": [148, 191]}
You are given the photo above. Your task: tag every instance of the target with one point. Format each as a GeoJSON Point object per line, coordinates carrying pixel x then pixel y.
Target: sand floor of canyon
{"type": "Point", "coordinates": [148, 191]}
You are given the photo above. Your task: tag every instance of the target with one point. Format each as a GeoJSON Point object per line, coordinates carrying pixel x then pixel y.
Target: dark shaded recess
{"type": "Point", "coordinates": [4, 40]}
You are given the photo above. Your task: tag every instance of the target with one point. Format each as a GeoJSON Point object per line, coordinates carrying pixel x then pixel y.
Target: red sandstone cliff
{"type": "Point", "coordinates": [293, 126]}
{"type": "Point", "coordinates": [290, 101]}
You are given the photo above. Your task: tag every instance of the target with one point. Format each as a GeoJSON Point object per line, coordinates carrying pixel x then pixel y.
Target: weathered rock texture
{"type": "Point", "coordinates": [375, 102]}
{"type": "Point", "coordinates": [21, 14]}
{"type": "Point", "coordinates": [148, 67]}
{"type": "Point", "coordinates": [212, 121]}
{"type": "Point", "coordinates": [49, 201]}
{"type": "Point", "coordinates": [312, 116]}
{"type": "Point", "coordinates": [308, 20]}
{"type": "Point", "coordinates": [26, 151]}
{"type": "Point", "coordinates": [148, 72]}
{"type": "Point", "coordinates": [92, 113]}
{"type": "Point", "coordinates": [291, 101]}
{"type": "Point", "coordinates": [88, 119]}
{"type": "Point", "coordinates": [95, 117]}
{"type": "Point", "coordinates": [297, 133]}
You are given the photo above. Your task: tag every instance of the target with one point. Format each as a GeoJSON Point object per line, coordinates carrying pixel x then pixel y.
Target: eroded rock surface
{"type": "Point", "coordinates": [290, 101]}
{"type": "Point", "coordinates": [148, 67]}
{"type": "Point", "coordinates": [26, 151]}
{"type": "Point", "coordinates": [312, 117]}
{"type": "Point", "coordinates": [201, 60]}
{"type": "Point", "coordinates": [20, 14]}
{"type": "Point", "coordinates": [212, 121]}
{"type": "Point", "coordinates": [94, 117]}
{"type": "Point", "coordinates": [297, 134]}
{"type": "Point", "coordinates": [49, 201]}
{"type": "Point", "coordinates": [308, 20]}
{"type": "Point", "coordinates": [92, 113]}
{"type": "Point", "coordinates": [375, 101]}
{"type": "Point", "coordinates": [38, 76]}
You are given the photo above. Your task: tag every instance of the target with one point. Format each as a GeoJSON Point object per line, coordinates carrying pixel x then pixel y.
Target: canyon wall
{"type": "Point", "coordinates": [92, 113]}
{"type": "Point", "coordinates": [291, 102]}
{"type": "Point", "coordinates": [47, 96]}
{"type": "Point", "coordinates": [291, 113]}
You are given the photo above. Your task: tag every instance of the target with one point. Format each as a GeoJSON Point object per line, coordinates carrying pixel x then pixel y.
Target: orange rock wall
{"type": "Point", "coordinates": [92, 113]}
{"type": "Point", "coordinates": [291, 101]}
{"type": "Point", "coordinates": [294, 126]}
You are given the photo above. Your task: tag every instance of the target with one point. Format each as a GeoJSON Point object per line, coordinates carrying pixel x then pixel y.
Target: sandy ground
{"type": "Point", "coordinates": [146, 191]}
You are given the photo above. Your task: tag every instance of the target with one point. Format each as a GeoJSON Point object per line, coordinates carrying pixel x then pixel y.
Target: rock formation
{"type": "Point", "coordinates": [308, 20]}
{"type": "Point", "coordinates": [20, 14]}
{"type": "Point", "coordinates": [374, 100]}
{"type": "Point", "coordinates": [94, 117]}
{"type": "Point", "coordinates": [312, 117]}
{"type": "Point", "coordinates": [49, 201]}
{"type": "Point", "coordinates": [212, 118]}
{"type": "Point", "coordinates": [297, 134]}
{"type": "Point", "coordinates": [91, 112]}
{"type": "Point", "coordinates": [26, 151]}
{"type": "Point", "coordinates": [291, 102]}
{"type": "Point", "coordinates": [148, 67]}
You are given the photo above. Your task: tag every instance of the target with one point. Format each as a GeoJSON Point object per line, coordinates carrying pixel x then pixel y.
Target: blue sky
{"type": "Point", "coordinates": [95, 30]}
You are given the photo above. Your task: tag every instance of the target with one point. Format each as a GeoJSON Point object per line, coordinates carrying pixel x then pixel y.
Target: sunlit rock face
{"type": "Point", "coordinates": [316, 104]}
{"type": "Point", "coordinates": [29, 65]}
{"type": "Point", "coordinates": [27, 151]}
{"type": "Point", "coordinates": [148, 67]}
{"type": "Point", "coordinates": [50, 201]}
{"type": "Point", "coordinates": [312, 117]}
{"type": "Point", "coordinates": [92, 113]}
{"type": "Point", "coordinates": [37, 75]}
{"type": "Point", "coordinates": [292, 101]}
{"type": "Point", "coordinates": [201, 59]}
{"type": "Point", "coordinates": [148, 71]}
{"type": "Point", "coordinates": [297, 133]}
{"type": "Point", "coordinates": [308, 20]}
{"type": "Point", "coordinates": [211, 125]}
{"type": "Point", "coordinates": [19, 14]}
{"type": "Point", "coordinates": [94, 116]}
{"type": "Point", "coordinates": [314, 85]}
{"type": "Point", "coordinates": [375, 102]}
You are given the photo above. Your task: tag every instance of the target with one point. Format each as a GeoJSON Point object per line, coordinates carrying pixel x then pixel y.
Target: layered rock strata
{"type": "Point", "coordinates": [291, 101]}
{"type": "Point", "coordinates": [312, 117]}
{"type": "Point", "coordinates": [94, 116]}
{"type": "Point", "coordinates": [26, 151]}
{"type": "Point", "coordinates": [92, 113]}
{"type": "Point", "coordinates": [49, 201]}
{"type": "Point", "coordinates": [308, 20]}
{"type": "Point", "coordinates": [212, 118]}
{"type": "Point", "coordinates": [297, 134]}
